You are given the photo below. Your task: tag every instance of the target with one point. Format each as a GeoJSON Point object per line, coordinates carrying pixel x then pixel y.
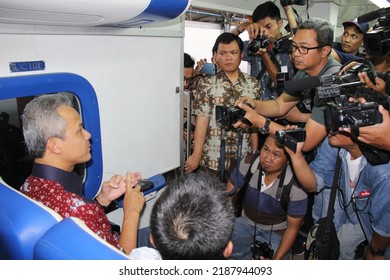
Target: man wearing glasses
{"type": "Point", "coordinates": [310, 51]}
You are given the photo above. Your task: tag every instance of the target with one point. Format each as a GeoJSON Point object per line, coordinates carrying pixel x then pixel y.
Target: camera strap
{"type": "Point", "coordinates": [278, 195]}
{"type": "Point", "coordinates": [223, 153]}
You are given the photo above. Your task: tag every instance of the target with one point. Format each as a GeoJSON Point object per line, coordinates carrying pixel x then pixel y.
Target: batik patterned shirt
{"type": "Point", "coordinates": [219, 90]}
{"type": "Point", "coordinates": [68, 204]}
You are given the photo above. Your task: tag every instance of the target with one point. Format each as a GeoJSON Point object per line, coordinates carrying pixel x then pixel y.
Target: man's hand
{"type": "Point", "coordinates": [251, 115]}
{"type": "Point", "coordinates": [379, 86]}
{"type": "Point", "coordinates": [191, 164]}
{"type": "Point", "coordinates": [115, 188]}
{"type": "Point", "coordinates": [246, 99]}
{"type": "Point", "coordinates": [378, 134]}
{"type": "Point", "coordinates": [253, 29]}
{"type": "Point", "coordinates": [134, 199]}
{"type": "Point", "coordinates": [199, 65]}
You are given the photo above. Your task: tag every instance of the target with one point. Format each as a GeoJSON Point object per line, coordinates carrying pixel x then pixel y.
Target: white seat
{"type": "Point", "coordinates": [23, 221]}
{"type": "Point", "coordinates": [71, 239]}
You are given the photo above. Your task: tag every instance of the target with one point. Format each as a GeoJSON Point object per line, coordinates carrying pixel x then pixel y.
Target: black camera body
{"type": "Point", "coordinates": [261, 42]}
{"type": "Point", "coordinates": [353, 116]}
{"type": "Point", "coordinates": [227, 116]}
{"type": "Point", "coordinates": [291, 137]}
{"type": "Point", "coordinates": [261, 249]}
{"type": "Point", "coordinates": [285, 3]}
{"type": "Point", "coordinates": [333, 85]}
{"type": "Point", "coordinates": [281, 78]}
{"type": "Point", "coordinates": [377, 40]}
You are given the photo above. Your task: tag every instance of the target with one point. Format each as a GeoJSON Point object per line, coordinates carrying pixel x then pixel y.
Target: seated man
{"type": "Point", "coordinates": [57, 141]}
{"type": "Point", "coordinates": [362, 208]}
{"type": "Point", "coordinates": [193, 219]}
{"type": "Point", "coordinates": [273, 203]}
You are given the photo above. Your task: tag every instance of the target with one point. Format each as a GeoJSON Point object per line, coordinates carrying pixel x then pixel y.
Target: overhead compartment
{"type": "Point", "coordinates": [119, 13]}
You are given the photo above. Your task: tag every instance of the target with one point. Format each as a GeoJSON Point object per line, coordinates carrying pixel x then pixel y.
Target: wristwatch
{"type": "Point", "coordinates": [376, 252]}
{"type": "Point", "coordinates": [239, 31]}
{"type": "Point", "coordinates": [265, 128]}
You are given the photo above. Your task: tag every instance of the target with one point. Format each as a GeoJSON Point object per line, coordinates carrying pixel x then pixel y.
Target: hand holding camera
{"type": "Point", "coordinates": [291, 137]}
{"type": "Point", "coordinates": [229, 116]}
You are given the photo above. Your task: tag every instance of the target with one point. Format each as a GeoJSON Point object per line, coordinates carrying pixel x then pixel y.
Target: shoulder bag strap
{"type": "Point", "coordinates": [333, 191]}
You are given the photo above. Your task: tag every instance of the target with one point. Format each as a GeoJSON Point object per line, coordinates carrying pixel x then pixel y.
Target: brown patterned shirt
{"type": "Point", "coordinates": [219, 90]}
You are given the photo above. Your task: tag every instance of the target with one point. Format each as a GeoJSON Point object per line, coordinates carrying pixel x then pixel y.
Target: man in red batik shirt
{"type": "Point", "coordinates": [57, 141]}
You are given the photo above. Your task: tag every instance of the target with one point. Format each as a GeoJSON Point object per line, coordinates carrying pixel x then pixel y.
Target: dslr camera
{"type": "Point", "coordinates": [261, 42]}
{"type": "Point", "coordinates": [352, 115]}
{"type": "Point", "coordinates": [292, 2]}
{"type": "Point", "coordinates": [291, 137]}
{"type": "Point", "coordinates": [228, 116]}
{"type": "Point", "coordinates": [261, 249]}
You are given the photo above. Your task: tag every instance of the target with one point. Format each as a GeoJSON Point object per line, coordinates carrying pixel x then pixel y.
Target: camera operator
{"type": "Point", "coordinates": [272, 221]}
{"type": "Point", "coordinates": [311, 46]}
{"type": "Point", "coordinates": [265, 59]}
{"type": "Point", "coordinates": [362, 204]}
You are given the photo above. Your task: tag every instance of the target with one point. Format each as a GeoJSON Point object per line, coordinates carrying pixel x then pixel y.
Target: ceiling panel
{"type": "Point", "coordinates": [347, 9]}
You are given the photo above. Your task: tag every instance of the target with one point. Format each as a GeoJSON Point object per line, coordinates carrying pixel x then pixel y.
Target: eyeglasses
{"type": "Point", "coordinates": [189, 79]}
{"type": "Point", "coordinates": [303, 50]}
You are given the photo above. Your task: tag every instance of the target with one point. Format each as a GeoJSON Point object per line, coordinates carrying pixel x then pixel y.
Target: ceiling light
{"type": "Point", "coordinates": [381, 3]}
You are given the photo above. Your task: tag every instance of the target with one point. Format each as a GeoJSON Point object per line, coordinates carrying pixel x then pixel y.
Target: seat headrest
{"type": "Point", "coordinates": [23, 221]}
{"type": "Point", "coordinates": [71, 239]}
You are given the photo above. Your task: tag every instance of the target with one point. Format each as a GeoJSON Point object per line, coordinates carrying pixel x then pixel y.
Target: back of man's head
{"type": "Point", "coordinates": [41, 121]}
{"type": "Point", "coordinates": [267, 9]}
{"type": "Point", "coordinates": [192, 219]}
{"type": "Point", "coordinates": [323, 29]}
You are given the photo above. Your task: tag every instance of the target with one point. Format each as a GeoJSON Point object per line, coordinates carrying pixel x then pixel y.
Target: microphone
{"type": "Point", "coordinates": [373, 15]}
{"type": "Point", "coordinates": [369, 16]}
{"type": "Point", "coordinates": [302, 84]}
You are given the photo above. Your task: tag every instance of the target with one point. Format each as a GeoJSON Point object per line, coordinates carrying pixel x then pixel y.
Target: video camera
{"type": "Point", "coordinates": [228, 116]}
{"type": "Point", "coordinates": [377, 41]}
{"type": "Point", "coordinates": [353, 115]}
{"type": "Point", "coordinates": [334, 85]}
{"type": "Point", "coordinates": [291, 137]}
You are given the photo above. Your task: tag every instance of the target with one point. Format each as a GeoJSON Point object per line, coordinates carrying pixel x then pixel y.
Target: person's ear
{"type": "Point", "coordinates": [325, 51]}
{"type": "Point", "coordinates": [151, 240]}
{"type": "Point", "coordinates": [280, 23]}
{"type": "Point", "coordinates": [54, 145]}
{"type": "Point", "coordinates": [228, 250]}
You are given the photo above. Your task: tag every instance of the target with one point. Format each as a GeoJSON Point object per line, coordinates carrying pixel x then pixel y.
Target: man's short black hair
{"type": "Point", "coordinates": [227, 38]}
{"type": "Point", "coordinates": [192, 219]}
{"type": "Point", "coordinates": [267, 9]}
{"type": "Point", "coordinates": [188, 61]}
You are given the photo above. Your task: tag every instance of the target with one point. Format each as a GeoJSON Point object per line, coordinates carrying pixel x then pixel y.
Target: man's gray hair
{"type": "Point", "coordinates": [323, 29]}
{"type": "Point", "coordinates": [41, 122]}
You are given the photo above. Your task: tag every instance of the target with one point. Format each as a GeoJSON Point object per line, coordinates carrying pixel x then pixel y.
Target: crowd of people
{"type": "Point", "coordinates": [245, 194]}
{"type": "Point", "coordinates": [254, 175]}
